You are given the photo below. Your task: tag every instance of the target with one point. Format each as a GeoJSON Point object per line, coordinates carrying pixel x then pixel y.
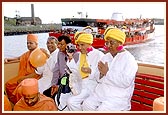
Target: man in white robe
{"type": "Point", "coordinates": [86, 67]}
{"type": "Point", "coordinates": [116, 71]}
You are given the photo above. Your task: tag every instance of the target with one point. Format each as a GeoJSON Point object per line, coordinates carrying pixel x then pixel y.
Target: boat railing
{"type": "Point", "coordinates": [147, 88]}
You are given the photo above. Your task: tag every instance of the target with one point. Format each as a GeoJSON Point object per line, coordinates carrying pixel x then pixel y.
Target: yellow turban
{"type": "Point", "coordinates": [114, 33]}
{"type": "Point", "coordinates": [29, 86]}
{"type": "Point", "coordinates": [83, 37]}
{"type": "Point", "coordinates": [32, 37]}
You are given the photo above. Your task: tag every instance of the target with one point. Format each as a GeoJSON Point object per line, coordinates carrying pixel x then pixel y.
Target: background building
{"type": "Point", "coordinates": [28, 21]}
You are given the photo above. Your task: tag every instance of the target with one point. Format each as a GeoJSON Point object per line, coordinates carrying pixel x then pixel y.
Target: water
{"type": "Point", "coordinates": [152, 51]}
{"type": "Point", "coordinates": [16, 45]}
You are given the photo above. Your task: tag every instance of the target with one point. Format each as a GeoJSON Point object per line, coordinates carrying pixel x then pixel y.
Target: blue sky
{"type": "Point", "coordinates": [52, 12]}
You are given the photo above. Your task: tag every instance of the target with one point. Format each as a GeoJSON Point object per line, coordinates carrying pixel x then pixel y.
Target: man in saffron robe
{"type": "Point", "coordinates": [46, 71]}
{"type": "Point", "coordinates": [25, 68]}
{"type": "Point", "coordinates": [32, 100]}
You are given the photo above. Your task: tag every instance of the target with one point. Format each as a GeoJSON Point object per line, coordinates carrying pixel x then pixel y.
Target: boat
{"type": "Point", "coordinates": [136, 30]}
{"type": "Point", "coordinates": [149, 84]}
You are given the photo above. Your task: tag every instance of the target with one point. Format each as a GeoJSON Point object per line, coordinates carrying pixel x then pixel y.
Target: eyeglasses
{"type": "Point", "coordinates": [107, 43]}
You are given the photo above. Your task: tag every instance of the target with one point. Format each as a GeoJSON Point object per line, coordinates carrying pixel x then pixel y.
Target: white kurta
{"type": "Point", "coordinates": [114, 91]}
{"type": "Point", "coordinates": [47, 72]}
{"type": "Point", "coordinates": [89, 83]}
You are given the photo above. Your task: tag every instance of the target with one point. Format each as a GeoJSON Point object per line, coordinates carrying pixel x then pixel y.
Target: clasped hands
{"type": "Point", "coordinates": [103, 68]}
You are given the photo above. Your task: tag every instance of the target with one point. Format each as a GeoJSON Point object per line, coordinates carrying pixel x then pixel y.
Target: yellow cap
{"type": "Point", "coordinates": [114, 33]}
{"type": "Point", "coordinates": [83, 37]}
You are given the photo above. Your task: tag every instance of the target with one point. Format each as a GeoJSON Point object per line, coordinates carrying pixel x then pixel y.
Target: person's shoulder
{"type": "Point", "coordinates": [126, 52]}
{"type": "Point", "coordinates": [55, 53]}
{"type": "Point", "coordinates": [60, 53]}
{"type": "Point", "coordinates": [99, 52]}
{"type": "Point", "coordinates": [47, 102]}
{"type": "Point", "coordinates": [95, 50]}
{"type": "Point", "coordinates": [107, 56]}
{"type": "Point", "coordinates": [45, 98]}
{"type": "Point", "coordinates": [127, 55]}
{"type": "Point", "coordinates": [27, 52]}
{"type": "Point", "coordinates": [19, 105]}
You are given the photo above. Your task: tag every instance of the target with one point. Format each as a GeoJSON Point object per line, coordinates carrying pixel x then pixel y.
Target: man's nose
{"type": "Point", "coordinates": [30, 101]}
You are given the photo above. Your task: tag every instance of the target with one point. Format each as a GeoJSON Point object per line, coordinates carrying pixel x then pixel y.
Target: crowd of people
{"type": "Point", "coordinates": [104, 82]}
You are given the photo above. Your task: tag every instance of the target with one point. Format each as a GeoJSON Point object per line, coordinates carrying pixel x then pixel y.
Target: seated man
{"type": "Point", "coordinates": [46, 71]}
{"type": "Point", "coordinates": [25, 68]}
{"type": "Point", "coordinates": [116, 71]}
{"type": "Point", "coordinates": [32, 100]}
{"type": "Point", "coordinates": [85, 67]}
{"type": "Point", "coordinates": [59, 69]}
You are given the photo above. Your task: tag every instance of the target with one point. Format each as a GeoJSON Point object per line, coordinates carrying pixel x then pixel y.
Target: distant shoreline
{"type": "Point", "coordinates": [23, 32]}
{"type": "Point", "coordinates": [20, 30]}
{"type": "Point", "coordinates": [44, 28]}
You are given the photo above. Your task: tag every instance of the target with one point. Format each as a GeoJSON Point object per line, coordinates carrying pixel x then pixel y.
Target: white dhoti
{"type": "Point", "coordinates": [74, 102]}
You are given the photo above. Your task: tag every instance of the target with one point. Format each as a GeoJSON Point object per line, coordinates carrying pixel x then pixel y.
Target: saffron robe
{"type": "Point", "coordinates": [7, 104]}
{"type": "Point", "coordinates": [25, 69]}
{"type": "Point", "coordinates": [44, 104]}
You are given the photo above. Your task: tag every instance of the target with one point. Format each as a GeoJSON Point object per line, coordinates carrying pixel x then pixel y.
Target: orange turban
{"type": "Point", "coordinates": [114, 33]}
{"type": "Point", "coordinates": [29, 86]}
{"type": "Point", "coordinates": [32, 37]}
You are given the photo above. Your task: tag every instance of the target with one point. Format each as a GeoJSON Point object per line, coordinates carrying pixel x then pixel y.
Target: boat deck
{"type": "Point", "coordinates": [149, 84]}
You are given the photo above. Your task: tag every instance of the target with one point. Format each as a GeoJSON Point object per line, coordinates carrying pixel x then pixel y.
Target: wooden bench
{"type": "Point", "coordinates": [147, 88]}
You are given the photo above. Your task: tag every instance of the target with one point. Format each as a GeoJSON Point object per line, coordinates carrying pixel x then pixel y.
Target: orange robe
{"type": "Point", "coordinates": [7, 104]}
{"type": "Point", "coordinates": [44, 104]}
{"type": "Point", "coordinates": [25, 68]}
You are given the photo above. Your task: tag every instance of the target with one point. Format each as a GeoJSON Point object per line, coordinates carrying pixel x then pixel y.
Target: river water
{"type": "Point", "coordinates": [153, 51]}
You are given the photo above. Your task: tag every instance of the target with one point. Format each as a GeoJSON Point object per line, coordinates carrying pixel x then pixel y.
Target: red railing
{"type": "Point", "coordinates": [147, 88]}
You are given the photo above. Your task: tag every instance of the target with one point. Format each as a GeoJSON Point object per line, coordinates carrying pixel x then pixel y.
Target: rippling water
{"type": "Point", "coordinates": [152, 51]}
